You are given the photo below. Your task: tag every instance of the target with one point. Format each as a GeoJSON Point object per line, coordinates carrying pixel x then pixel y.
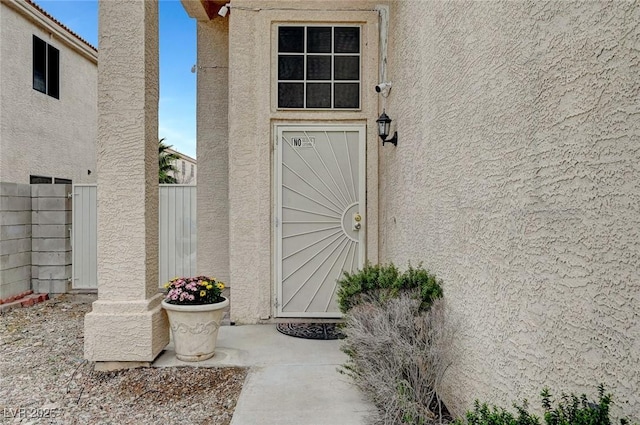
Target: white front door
{"type": "Point", "coordinates": [320, 215]}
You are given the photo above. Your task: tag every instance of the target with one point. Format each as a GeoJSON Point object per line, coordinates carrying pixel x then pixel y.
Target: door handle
{"type": "Point", "coordinates": [357, 221]}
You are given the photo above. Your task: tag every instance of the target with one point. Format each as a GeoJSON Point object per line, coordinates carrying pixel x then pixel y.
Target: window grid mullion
{"type": "Point", "coordinates": [333, 77]}
{"type": "Point", "coordinates": [304, 70]}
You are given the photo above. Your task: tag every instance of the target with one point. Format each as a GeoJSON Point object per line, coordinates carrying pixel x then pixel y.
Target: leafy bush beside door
{"type": "Point", "coordinates": [383, 282]}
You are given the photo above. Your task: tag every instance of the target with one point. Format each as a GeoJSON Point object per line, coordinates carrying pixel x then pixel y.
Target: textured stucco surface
{"type": "Point", "coordinates": [252, 116]}
{"type": "Point", "coordinates": [213, 142]}
{"type": "Point", "coordinates": [119, 331]}
{"type": "Point", "coordinates": [127, 202]}
{"type": "Point", "coordinates": [39, 134]}
{"type": "Point", "coordinates": [516, 180]}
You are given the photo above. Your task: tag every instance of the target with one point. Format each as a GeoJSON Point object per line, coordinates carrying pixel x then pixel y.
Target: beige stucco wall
{"type": "Point", "coordinates": [212, 148]}
{"type": "Point", "coordinates": [249, 142]}
{"type": "Point", "coordinates": [39, 134]}
{"type": "Point", "coordinates": [516, 180]}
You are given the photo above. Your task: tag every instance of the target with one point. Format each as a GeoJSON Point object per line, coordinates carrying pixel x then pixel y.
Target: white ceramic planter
{"type": "Point", "coordinates": [195, 329]}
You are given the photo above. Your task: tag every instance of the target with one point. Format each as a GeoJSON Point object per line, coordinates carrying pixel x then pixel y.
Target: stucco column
{"type": "Point", "coordinates": [127, 323]}
{"type": "Point", "coordinates": [213, 148]}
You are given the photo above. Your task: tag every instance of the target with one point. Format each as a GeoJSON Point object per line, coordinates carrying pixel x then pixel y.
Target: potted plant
{"type": "Point", "coordinates": [195, 309]}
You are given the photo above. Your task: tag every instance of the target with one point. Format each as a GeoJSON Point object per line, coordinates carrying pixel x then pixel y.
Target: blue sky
{"type": "Point", "coordinates": [177, 116]}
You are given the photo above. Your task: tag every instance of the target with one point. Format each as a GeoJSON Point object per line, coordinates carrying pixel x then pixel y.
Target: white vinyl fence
{"type": "Point", "coordinates": [84, 240]}
{"type": "Point", "coordinates": [177, 234]}
{"type": "Point", "coordinates": [177, 250]}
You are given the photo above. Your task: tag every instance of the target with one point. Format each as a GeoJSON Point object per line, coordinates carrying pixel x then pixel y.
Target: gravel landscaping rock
{"type": "Point", "coordinates": [44, 378]}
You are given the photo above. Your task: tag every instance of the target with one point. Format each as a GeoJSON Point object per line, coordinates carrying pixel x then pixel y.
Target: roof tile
{"type": "Point", "coordinates": [67, 29]}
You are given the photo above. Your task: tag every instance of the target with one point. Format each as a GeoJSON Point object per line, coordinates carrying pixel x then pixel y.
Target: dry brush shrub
{"type": "Point", "coordinates": [398, 353]}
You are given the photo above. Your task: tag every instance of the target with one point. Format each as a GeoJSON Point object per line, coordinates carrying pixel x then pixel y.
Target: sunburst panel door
{"type": "Point", "coordinates": [320, 215]}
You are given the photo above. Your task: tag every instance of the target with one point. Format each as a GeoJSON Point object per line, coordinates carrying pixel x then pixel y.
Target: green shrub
{"type": "Point", "coordinates": [570, 410]}
{"type": "Point", "coordinates": [385, 282]}
{"type": "Point", "coordinates": [429, 286]}
{"type": "Point", "coordinates": [483, 415]}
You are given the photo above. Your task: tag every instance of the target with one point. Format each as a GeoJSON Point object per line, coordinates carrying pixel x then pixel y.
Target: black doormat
{"type": "Point", "coordinates": [311, 330]}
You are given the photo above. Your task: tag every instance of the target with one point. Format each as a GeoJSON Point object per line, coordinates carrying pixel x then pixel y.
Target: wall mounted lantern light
{"type": "Point", "coordinates": [384, 126]}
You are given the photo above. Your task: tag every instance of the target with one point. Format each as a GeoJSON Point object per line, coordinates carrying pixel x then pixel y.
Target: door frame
{"type": "Point", "coordinates": [278, 129]}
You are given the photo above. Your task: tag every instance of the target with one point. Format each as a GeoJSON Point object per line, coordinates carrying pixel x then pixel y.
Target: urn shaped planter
{"type": "Point", "coordinates": [195, 329]}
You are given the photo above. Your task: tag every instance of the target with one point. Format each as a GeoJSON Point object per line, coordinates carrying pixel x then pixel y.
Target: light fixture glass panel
{"type": "Point", "coordinates": [382, 128]}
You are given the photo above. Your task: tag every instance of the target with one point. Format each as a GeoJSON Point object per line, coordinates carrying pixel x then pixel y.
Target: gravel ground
{"type": "Point", "coordinates": [45, 380]}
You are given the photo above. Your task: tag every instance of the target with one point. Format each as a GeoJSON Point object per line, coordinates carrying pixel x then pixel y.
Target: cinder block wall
{"type": "Point", "coordinates": [35, 243]}
{"type": "Point", "coordinates": [51, 243]}
{"type": "Point", "coordinates": [15, 239]}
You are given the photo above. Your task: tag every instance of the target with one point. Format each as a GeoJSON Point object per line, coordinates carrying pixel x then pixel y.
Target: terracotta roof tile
{"type": "Point", "coordinates": [60, 24]}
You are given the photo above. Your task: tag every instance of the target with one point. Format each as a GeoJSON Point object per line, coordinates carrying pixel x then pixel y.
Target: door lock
{"type": "Point", "coordinates": [357, 219]}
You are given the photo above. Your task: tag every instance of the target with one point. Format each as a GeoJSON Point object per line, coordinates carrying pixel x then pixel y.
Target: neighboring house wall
{"type": "Point", "coordinates": [516, 181]}
{"type": "Point", "coordinates": [49, 134]}
{"type": "Point", "coordinates": [186, 168]}
{"type": "Point", "coordinates": [39, 134]}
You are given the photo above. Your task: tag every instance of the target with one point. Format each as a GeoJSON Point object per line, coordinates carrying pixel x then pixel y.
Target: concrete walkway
{"type": "Point", "coordinates": [291, 381]}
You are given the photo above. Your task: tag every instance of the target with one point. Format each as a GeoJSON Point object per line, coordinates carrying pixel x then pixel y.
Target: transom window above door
{"type": "Point", "coordinates": [319, 67]}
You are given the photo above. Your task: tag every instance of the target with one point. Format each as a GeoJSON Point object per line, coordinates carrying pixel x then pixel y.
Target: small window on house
{"type": "Point", "coordinates": [46, 68]}
{"type": "Point", "coordinates": [184, 169]}
{"type": "Point", "coordinates": [62, 181]}
{"type": "Point", "coordinates": [318, 67]}
{"type": "Point", "coordinates": [193, 171]}
{"type": "Point", "coordinates": [40, 180]}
